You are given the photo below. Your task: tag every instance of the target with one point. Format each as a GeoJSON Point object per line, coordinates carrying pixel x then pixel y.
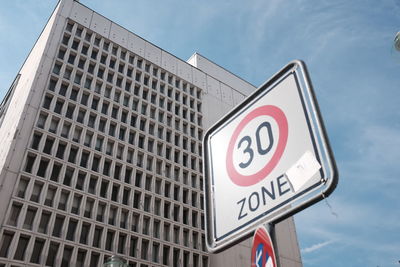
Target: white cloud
{"type": "Point", "coordinates": [316, 246]}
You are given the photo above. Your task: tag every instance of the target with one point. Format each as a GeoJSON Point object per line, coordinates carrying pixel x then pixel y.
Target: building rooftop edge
{"type": "Point", "coordinates": [218, 65]}
{"type": "Point", "coordinates": [194, 54]}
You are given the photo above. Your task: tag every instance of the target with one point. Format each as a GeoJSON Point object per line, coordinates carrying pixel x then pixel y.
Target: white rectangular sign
{"type": "Point", "coordinates": [265, 155]}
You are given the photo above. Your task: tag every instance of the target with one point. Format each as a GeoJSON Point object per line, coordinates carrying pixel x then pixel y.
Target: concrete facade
{"type": "Point", "coordinates": [101, 151]}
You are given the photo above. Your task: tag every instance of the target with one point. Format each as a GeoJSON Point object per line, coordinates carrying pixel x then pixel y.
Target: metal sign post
{"type": "Point", "coordinates": [266, 159]}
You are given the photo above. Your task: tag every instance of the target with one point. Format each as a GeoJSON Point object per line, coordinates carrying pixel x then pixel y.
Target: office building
{"type": "Point", "coordinates": [100, 151]}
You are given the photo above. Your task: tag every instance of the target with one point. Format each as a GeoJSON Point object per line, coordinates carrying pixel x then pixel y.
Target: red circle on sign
{"type": "Point", "coordinates": [280, 118]}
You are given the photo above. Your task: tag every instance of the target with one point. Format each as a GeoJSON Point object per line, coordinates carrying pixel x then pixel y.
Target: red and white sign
{"type": "Point", "coordinates": [264, 155]}
{"type": "Point", "coordinates": [266, 114]}
{"type": "Point", "coordinates": [262, 251]}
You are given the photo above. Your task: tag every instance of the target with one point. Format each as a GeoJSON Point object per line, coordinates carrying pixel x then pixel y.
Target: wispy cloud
{"type": "Point", "coordinates": [316, 246]}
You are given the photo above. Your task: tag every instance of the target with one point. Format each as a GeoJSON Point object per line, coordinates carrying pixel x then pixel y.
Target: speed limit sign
{"type": "Point", "coordinates": [266, 160]}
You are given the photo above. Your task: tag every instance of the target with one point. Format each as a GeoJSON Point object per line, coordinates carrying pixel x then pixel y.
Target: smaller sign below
{"type": "Point", "coordinates": [262, 251]}
{"type": "Point", "coordinates": [302, 171]}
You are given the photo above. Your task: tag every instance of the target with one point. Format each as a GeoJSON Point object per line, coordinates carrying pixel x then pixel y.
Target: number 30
{"type": "Point", "coordinates": [260, 150]}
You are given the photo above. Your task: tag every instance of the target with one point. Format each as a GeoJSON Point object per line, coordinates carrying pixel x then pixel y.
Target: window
{"type": "Point", "coordinates": [65, 129]}
{"type": "Point", "coordinates": [53, 125]}
{"type": "Point", "coordinates": [37, 189]}
{"type": "Point", "coordinates": [70, 111]}
{"type": "Point", "coordinates": [88, 208]}
{"type": "Point", "coordinates": [94, 259]}
{"type": "Point", "coordinates": [128, 175]}
{"type": "Point", "coordinates": [99, 143]}
{"type": "Point", "coordinates": [185, 216]}
{"type": "Point", "coordinates": [44, 222]}
{"type": "Point", "coordinates": [57, 68]}
{"type": "Point", "coordinates": [102, 125]}
{"type": "Point", "coordinates": [156, 229]}
{"type": "Point", "coordinates": [92, 184]}
{"type": "Point", "coordinates": [71, 229]}
{"type": "Point", "coordinates": [62, 204]}
{"type": "Point", "coordinates": [157, 207]}
{"type": "Point", "coordinates": [166, 209]}
{"type": "Point", "coordinates": [124, 219]}
{"type": "Point", "coordinates": [84, 159]}
{"type": "Point", "coordinates": [120, 151]}
{"type": "Point", "coordinates": [71, 58]}
{"type": "Point", "coordinates": [145, 249]}
{"type": "Point", "coordinates": [72, 154]}
{"type": "Point", "coordinates": [58, 106]}
{"type": "Point", "coordinates": [67, 74]}
{"type": "Point", "coordinates": [121, 243]}
{"type": "Point", "coordinates": [58, 225]}
{"type": "Point", "coordinates": [147, 201]}
{"type": "Point", "coordinates": [135, 222]}
{"type": "Point", "coordinates": [61, 150]}
{"type": "Point", "coordinates": [69, 172]}
{"type": "Point", "coordinates": [76, 204]}
{"type": "Point", "coordinates": [133, 245]}
{"type": "Point", "coordinates": [42, 167]}
{"type": "Point", "coordinates": [97, 41]}
{"type": "Point", "coordinates": [14, 214]}
{"type": "Point", "coordinates": [95, 163]}
{"type": "Point", "coordinates": [121, 135]}
{"type": "Point", "coordinates": [158, 186]}
{"type": "Point", "coordinates": [55, 171]}
{"type": "Point", "coordinates": [37, 250]}
{"type": "Point", "coordinates": [94, 54]}
{"type": "Point", "coordinates": [23, 184]}
{"type": "Point", "coordinates": [115, 192]}
{"type": "Point", "coordinates": [104, 188]}
{"type": "Point", "coordinates": [111, 129]}
{"type": "Point", "coordinates": [51, 191]}
{"type": "Point", "coordinates": [124, 116]}
{"type": "Point", "coordinates": [98, 232]}
{"type": "Point", "coordinates": [6, 243]}
{"type": "Point", "coordinates": [66, 258]}
{"type": "Point", "coordinates": [41, 120]}
{"type": "Point", "coordinates": [52, 253]}
{"type": "Point", "coordinates": [155, 252]}
{"type": "Point", "coordinates": [61, 54]}
{"type": "Point", "coordinates": [21, 248]}
{"type": "Point", "coordinates": [176, 213]}
{"type": "Point", "coordinates": [109, 240]}
{"type": "Point", "coordinates": [131, 138]}
{"type": "Point", "coordinates": [81, 62]}
{"type": "Point", "coordinates": [194, 219]}
{"type": "Point", "coordinates": [166, 256]}
{"type": "Point", "coordinates": [101, 208]}
{"type": "Point", "coordinates": [80, 258]}
{"type": "Point", "coordinates": [136, 200]}
{"type": "Point", "coordinates": [81, 115]}
{"type": "Point", "coordinates": [84, 233]}
{"type": "Point", "coordinates": [106, 167]}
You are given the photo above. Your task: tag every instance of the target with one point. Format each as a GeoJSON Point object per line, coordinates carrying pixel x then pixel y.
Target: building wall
{"type": "Point", "coordinates": [86, 72]}
{"type": "Point", "coordinates": [17, 121]}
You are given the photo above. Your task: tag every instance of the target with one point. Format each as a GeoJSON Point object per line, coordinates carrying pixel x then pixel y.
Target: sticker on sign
{"type": "Point", "coordinates": [267, 159]}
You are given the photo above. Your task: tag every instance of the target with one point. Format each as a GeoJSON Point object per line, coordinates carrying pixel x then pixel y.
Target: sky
{"type": "Point", "coordinates": [347, 46]}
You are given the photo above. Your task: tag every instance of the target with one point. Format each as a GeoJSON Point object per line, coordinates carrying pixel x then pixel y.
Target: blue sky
{"type": "Point", "coordinates": [347, 48]}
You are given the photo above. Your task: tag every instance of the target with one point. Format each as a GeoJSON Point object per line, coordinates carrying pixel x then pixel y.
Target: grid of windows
{"type": "Point", "coordinates": [113, 164]}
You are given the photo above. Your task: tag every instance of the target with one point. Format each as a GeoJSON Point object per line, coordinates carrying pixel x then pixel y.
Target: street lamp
{"type": "Point", "coordinates": [396, 43]}
{"type": "Point", "coordinates": [115, 261]}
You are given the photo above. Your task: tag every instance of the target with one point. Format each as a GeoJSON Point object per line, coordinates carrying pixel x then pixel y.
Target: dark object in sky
{"type": "Point", "coordinates": [397, 42]}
